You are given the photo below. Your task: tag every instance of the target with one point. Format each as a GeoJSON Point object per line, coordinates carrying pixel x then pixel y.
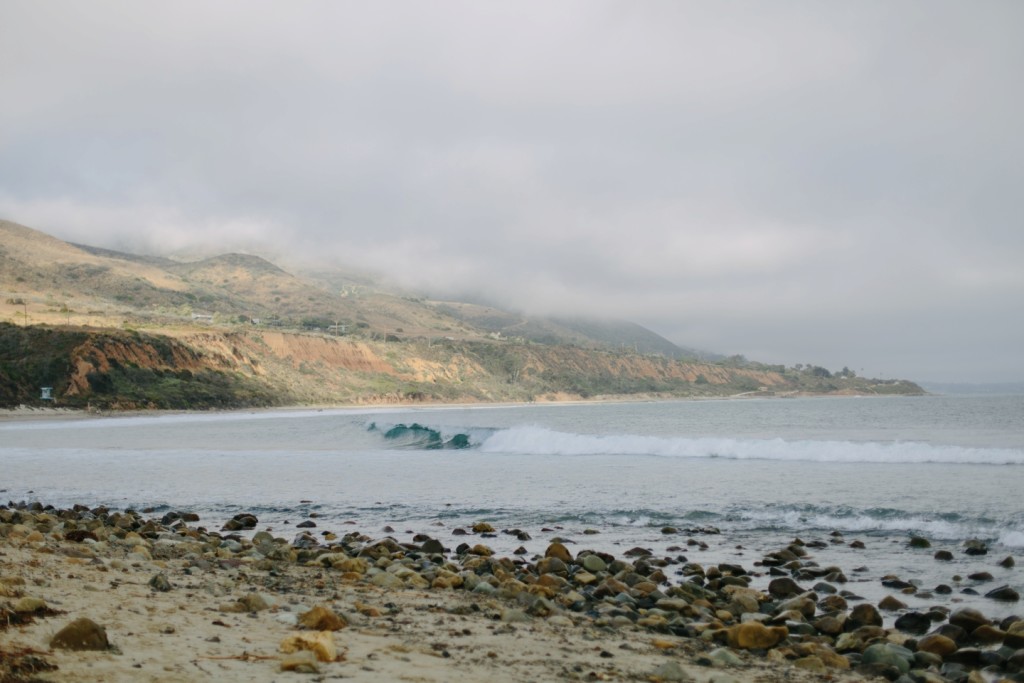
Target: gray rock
{"type": "Point", "coordinates": [723, 656]}
{"type": "Point", "coordinates": [672, 671]}
{"type": "Point", "coordinates": [160, 583]}
{"type": "Point", "coordinates": [887, 654]}
{"type": "Point", "coordinates": [594, 564]}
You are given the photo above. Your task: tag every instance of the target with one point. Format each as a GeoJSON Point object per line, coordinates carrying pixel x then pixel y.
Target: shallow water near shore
{"type": "Point", "coordinates": [761, 471]}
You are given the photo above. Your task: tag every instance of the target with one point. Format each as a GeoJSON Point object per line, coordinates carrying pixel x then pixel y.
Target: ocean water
{"type": "Point", "coordinates": [606, 476]}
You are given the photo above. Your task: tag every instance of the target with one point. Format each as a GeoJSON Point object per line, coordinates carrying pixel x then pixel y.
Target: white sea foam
{"type": "Point", "coordinates": [542, 441]}
{"type": "Point", "coordinates": [1012, 539]}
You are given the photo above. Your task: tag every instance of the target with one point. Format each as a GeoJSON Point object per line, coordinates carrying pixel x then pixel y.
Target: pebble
{"type": "Point", "coordinates": [815, 630]}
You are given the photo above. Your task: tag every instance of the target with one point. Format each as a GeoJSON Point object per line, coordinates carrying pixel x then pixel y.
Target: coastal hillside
{"type": "Point", "coordinates": [46, 280]}
{"type": "Point", "coordinates": [108, 330]}
{"type": "Point", "coordinates": [129, 369]}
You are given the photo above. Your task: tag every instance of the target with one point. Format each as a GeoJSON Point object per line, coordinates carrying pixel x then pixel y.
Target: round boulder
{"type": "Point", "coordinates": [559, 551]}
{"type": "Point", "coordinates": [784, 587]}
{"type": "Point", "coordinates": [754, 635]}
{"type": "Point", "coordinates": [81, 634]}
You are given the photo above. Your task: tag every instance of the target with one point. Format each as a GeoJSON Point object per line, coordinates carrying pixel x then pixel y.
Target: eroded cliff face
{"type": "Point", "coordinates": [234, 369]}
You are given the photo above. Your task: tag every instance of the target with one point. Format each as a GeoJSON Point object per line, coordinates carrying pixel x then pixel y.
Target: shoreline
{"type": "Point", "coordinates": [178, 601]}
{"type": "Point", "coordinates": [25, 413]}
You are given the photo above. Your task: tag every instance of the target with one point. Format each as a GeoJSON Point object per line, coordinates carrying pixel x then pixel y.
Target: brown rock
{"type": "Point", "coordinates": [987, 634]}
{"type": "Point", "coordinates": [833, 603]}
{"type": "Point", "coordinates": [754, 635]}
{"type": "Point", "coordinates": [483, 528]}
{"type": "Point", "coordinates": [321, 618]}
{"type": "Point", "coordinates": [863, 615]}
{"type": "Point", "coordinates": [81, 634]}
{"type": "Point", "coordinates": [784, 587]}
{"type": "Point", "coordinates": [560, 551]}
{"type": "Point", "coordinates": [829, 625]}
{"type": "Point", "coordinates": [937, 645]}
{"type": "Point", "coordinates": [891, 604]}
{"type": "Point", "coordinates": [968, 619]}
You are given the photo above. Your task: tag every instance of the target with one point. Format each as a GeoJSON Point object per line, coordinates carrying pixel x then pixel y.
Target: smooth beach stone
{"type": "Point", "coordinates": [803, 605]}
{"type": "Point", "coordinates": [913, 622]}
{"type": "Point", "coordinates": [1014, 639]}
{"type": "Point", "coordinates": [975, 547]}
{"type": "Point", "coordinates": [833, 603]}
{"type": "Point", "coordinates": [1015, 662]}
{"type": "Point", "coordinates": [558, 551]}
{"type": "Point", "coordinates": [321, 618]}
{"type": "Point", "coordinates": [800, 628]}
{"type": "Point", "coordinates": [1007, 562]}
{"type": "Point", "coordinates": [937, 644]}
{"type": "Point", "coordinates": [724, 657]}
{"type": "Point", "coordinates": [432, 546]}
{"type": "Point", "coordinates": [811, 663]}
{"type": "Point", "coordinates": [81, 634]}
{"type": "Point", "coordinates": [1004, 593]}
{"type": "Point", "coordinates": [968, 656]}
{"type": "Point", "coordinates": [484, 588]}
{"type": "Point", "coordinates": [968, 619]}
{"type": "Point", "coordinates": [891, 604]}
{"type": "Point", "coordinates": [888, 654]}
{"type": "Point", "coordinates": [387, 580]}
{"type": "Point", "coordinates": [672, 672]}
{"type": "Point", "coordinates": [28, 605]}
{"type": "Point", "coordinates": [980, 576]}
{"type": "Point", "coordinates": [784, 587]}
{"type": "Point", "coordinates": [754, 635]}
{"type": "Point", "coordinates": [829, 625]}
{"type": "Point", "coordinates": [919, 542]}
{"type": "Point", "coordinates": [552, 565]}
{"type": "Point", "coordinates": [743, 603]}
{"type": "Point", "coordinates": [988, 635]}
{"type": "Point", "coordinates": [159, 582]}
{"type": "Point", "coordinates": [863, 615]}
{"type": "Point", "coordinates": [944, 556]}
{"type": "Point", "coordinates": [594, 564]}
{"type": "Point", "coordinates": [256, 602]}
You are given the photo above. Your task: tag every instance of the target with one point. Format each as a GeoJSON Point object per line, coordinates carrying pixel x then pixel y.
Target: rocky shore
{"type": "Point", "coordinates": [104, 595]}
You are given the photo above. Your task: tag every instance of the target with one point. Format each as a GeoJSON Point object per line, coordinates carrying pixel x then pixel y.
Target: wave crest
{"type": "Point", "coordinates": [542, 441]}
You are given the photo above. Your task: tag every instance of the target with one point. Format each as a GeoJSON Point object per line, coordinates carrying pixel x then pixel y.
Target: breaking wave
{"type": "Point", "coordinates": [541, 441]}
{"type": "Point", "coordinates": [529, 440]}
{"type": "Point", "coordinates": [415, 436]}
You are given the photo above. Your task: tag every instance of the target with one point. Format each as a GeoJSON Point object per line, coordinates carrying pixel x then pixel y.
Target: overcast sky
{"type": "Point", "coordinates": [838, 183]}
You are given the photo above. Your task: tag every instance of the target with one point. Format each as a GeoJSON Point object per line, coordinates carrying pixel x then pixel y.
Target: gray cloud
{"type": "Point", "coordinates": [799, 182]}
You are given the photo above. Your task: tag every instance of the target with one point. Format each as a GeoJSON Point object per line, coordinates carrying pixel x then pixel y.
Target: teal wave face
{"type": "Point", "coordinates": [418, 437]}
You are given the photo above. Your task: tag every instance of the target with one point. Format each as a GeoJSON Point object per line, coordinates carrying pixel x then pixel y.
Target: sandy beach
{"type": "Point", "coordinates": [171, 601]}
